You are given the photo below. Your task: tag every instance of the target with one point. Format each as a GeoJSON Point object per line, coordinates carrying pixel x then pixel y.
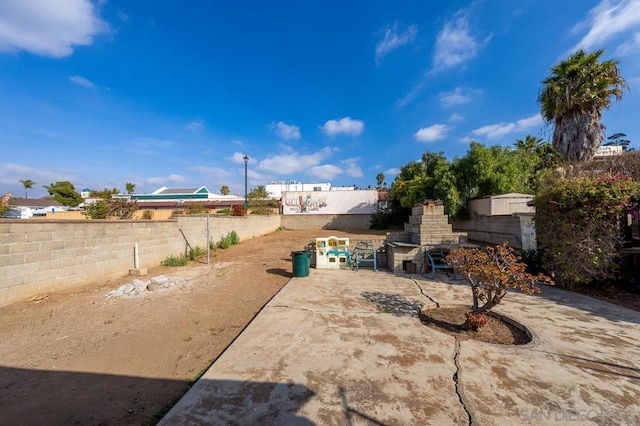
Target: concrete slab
{"type": "Point", "coordinates": [345, 347]}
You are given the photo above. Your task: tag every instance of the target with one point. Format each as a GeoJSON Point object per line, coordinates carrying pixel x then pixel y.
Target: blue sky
{"type": "Point", "coordinates": [168, 93]}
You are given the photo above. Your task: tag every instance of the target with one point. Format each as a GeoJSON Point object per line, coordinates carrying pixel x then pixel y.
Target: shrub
{"type": "Point", "coordinates": [238, 210]}
{"type": "Point", "coordinates": [475, 321]}
{"type": "Point", "coordinates": [491, 272]}
{"type": "Point", "coordinates": [195, 208]}
{"type": "Point", "coordinates": [115, 208]}
{"type": "Point", "coordinates": [147, 214]}
{"type": "Point", "coordinates": [175, 261]}
{"type": "Point", "coordinates": [579, 226]}
{"type": "Point", "coordinates": [227, 241]}
{"type": "Point", "coordinates": [196, 252]}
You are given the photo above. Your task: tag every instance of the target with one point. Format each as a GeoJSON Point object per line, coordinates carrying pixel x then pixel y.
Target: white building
{"type": "Point", "coordinates": [275, 189]}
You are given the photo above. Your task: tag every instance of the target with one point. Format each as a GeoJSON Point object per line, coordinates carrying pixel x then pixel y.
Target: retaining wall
{"type": "Point", "coordinates": [493, 229]}
{"type": "Point", "coordinates": [37, 256]}
{"type": "Point", "coordinates": [343, 222]}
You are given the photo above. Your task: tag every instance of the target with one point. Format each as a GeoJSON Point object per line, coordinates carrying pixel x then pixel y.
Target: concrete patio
{"type": "Point", "coordinates": [345, 347]}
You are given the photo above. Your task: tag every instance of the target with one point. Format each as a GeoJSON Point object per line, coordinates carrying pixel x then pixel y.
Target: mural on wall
{"type": "Point", "coordinates": [305, 202]}
{"type": "Point", "coordinates": [329, 202]}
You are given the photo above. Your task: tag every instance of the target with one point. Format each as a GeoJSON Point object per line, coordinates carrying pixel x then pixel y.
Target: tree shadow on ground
{"type": "Point", "coordinates": [61, 398]}
{"type": "Point", "coordinates": [393, 304]}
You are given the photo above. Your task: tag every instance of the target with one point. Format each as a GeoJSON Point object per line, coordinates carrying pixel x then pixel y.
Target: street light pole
{"type": "Point", "coordinates": [246, 160]}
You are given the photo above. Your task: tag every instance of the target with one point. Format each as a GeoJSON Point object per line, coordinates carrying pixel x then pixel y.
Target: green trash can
{"type": "Point", "coordinates": [301, 262]}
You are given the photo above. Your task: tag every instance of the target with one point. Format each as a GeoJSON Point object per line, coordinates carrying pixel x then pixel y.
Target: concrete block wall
{"type": "Point", "coordinates": [327, 221]}
{"type": "Point", "coordinates": [247, 227]}
{"type": "Point", "coordinates": [38, 256]}
{"type": "Point", "coordinates": [493, 229]}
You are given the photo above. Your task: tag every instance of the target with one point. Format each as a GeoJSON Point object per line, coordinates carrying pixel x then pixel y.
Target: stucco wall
{"type": "Point", "coordinates": [37, 256]}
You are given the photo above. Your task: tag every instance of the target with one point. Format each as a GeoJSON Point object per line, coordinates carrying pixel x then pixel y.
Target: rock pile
{"type": "Point", "coordinates": [138, 288]}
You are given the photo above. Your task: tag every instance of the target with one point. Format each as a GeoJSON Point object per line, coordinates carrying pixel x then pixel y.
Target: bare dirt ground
{"type": "Point", "coordinates": [80, 357]}
{"type": "Point", "coordinates": [451, 320]}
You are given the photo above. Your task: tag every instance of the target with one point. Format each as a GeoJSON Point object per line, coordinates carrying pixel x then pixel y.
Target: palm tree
{"type": "Point", "coordinates": [529, 144]}
{"type": "Point", "coordinates": [28, 184]}
{"type": "Point", "coordinates": [130, 187]}
{"type": "Point", "coordinates": [224, 190]}
{"type": "Point", "coordinates": [380, 180]}
{"type": "Point", "coordinates": [573, 98]}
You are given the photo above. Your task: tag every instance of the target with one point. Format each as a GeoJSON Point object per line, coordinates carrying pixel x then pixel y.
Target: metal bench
{"type": "Point", "coordinates": [434, 258]}
{"type": "Point", "coordinates": [364, 251]}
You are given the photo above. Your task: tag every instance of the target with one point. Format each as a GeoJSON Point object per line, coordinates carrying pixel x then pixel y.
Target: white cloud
{"type": "Point", "coordinates": [163, 180]}
{"type": "Point", "coordinates": [432, 133]}
{"type": "Point", "coordinates": [494, 131]}
{"type": "Point", "coordinates": [325, 172]}
{"type": "Point", "coordinates": [629, 46]}
{"type": "Point", "coordinates": [454, 44]}
{"type": "Point", "coordinates": [413, 93]}
{"type": "Point", "coordinates": [238, 158]}
{"type": "Point", "coordinates": [195, 125]}
{"type": "Point", "coordinates": [48, 28]}
{"type": "Point", "coordinates": [211, 173]}
{"type": "Point", "coordinates": [353, 169]}
{"type": "Point", "coordinates": [608, 19]}
{"type": "Point", "coordinates": [530, 122]}
{"type": "Point", "coordinates": [176, 178]}
{"type": "Point", "coordinates": [394, 39]}
{"type": "Point", "coordinates": [391, 172]}
{"type": "Point", "coordinates": [292, 162]}
{"type": "Point", "coordinates": [344, 125]}
{"type": "Point", "coordinates": [457, 96]}
{"type": "Point", "coordinates": [455, 117]}
{"type": "Point", "coordinates": [287, 131]}
{"type": "Point", "coordinates": [81, 81]}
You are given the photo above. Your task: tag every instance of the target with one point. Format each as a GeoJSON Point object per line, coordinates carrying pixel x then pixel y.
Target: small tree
{"type": "Point", "coordinates": [491, 272]}
{"type": "Point", "coordinates": [105, 194]}
{"type": "Point", "coordinates": [195, 208]}
{"type": "Point", "coordinates": [259, 201]}
{"type": "Point", "coordinates": [64, 192]}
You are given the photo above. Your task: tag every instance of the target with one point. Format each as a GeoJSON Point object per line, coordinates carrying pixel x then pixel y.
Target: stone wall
{"type": "Point", "coordinates": [37, 256]}
{"type": "Point", "coordinates": [344, 222]}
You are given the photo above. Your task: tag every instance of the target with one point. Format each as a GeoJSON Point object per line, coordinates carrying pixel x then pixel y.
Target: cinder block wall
{"type": "Point", "coordinates": [37, 256]}
{"type": "Point", "coordinates": [493, 229]}
{"type": "Point", "coordinates": [327, 221]}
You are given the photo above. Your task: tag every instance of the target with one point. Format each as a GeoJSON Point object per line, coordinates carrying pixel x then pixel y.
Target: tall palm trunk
{"type": "Point", "coordinates": [578, 136]}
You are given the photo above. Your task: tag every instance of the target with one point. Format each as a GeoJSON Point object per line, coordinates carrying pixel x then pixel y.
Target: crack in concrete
{"type": "Point", "coordinates": [456, 383]}
{"type": "Point", "coordinates": [425, 294]}
{"type": "Point", "coordinates": [319, 312]}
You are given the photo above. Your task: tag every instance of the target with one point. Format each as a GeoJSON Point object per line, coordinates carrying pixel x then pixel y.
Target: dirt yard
{"type": "Point", "coordinates": [80, 357]}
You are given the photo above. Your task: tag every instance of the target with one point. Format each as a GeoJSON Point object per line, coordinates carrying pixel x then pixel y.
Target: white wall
{"type": "Point", "coordinates": [329, 202]}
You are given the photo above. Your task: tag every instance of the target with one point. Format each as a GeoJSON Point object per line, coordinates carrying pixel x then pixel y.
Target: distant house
{"type": "Point", "coordinates": [23, 208]}
{"type": "Point", "coordinates": [164, 198]}
{"type": "Point", "coordinates": [85, 193]}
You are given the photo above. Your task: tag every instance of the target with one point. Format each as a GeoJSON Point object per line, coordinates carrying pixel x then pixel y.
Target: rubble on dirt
{"type": "Point", "coordinates": [138, 288]}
